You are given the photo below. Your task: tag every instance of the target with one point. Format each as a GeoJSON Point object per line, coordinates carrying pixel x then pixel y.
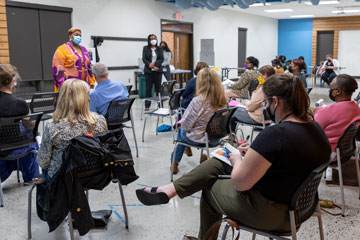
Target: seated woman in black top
{"type": "Point", "coordinates": [11, 106]}
{"type": "Point", "coordinates": [264, 180]}
{"type": "Point", "coordinates": [190, 88]}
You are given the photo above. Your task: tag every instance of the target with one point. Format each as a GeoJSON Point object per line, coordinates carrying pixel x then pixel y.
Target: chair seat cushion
{"type": "Point", "coordinates": [201, 145]}
{"type": "Point", "coordinates": [155, 99]}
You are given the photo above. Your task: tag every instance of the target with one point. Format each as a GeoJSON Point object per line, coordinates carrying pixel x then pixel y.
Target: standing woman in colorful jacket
{"type": "Point", "coordinates": [71, 60]}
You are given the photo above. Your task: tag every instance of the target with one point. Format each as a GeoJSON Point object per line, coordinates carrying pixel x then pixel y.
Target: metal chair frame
{"type": "Point", "coordinates": [12, 143]}
{"type": "Point", "coordinates": [343, 153]}
{"type": "Point", "coordinates": [301, 207]}
{"type": "Point", "coordinates": [255, 127]}
{"type": "Point", "coordinates": [166, 91]}
{"type": "Point", "coordinates": [44, 102]}
{"type": "Point", "coordinates": [118, 123]}
{"type": "Point", "coordinates": [174, 109]}
{"type": "Point", "coordinates": [71, 228]}
{"type": "Point", "coordinates": [216, 141]}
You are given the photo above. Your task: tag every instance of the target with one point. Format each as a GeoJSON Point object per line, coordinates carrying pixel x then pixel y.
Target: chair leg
{"type": "Point", "coordinates": [87, 194]}
{"type": "Point", "coordinates": [321, 229]}
{"type": "Point", "coordinates": [225, 231]}
{"type": "Point", "coordinates": [357, 167]}
{"type": "Point", "coordinates": [201, 153]}
{"type": "Point", "coordinates": [338, 157]}
{"type": "Point", "coordinates": [133, 130]}
{"type": "Point", "coordinates": [172, 129]}
{"type": "Point", "coordinates": [71, 228]}
{"type": "Point", "coordinates": [124, 205]}
{"type": "Point", "coordinates": [173, 162]}
{"type": "Point", "coordinates": [29, 211]}
{"type": "Point", "coordinates": [207, 146]}
{"type": "Point", "coordinates": [1, 195]}
{"type": "Point", "coordinates": [252, 134]}
{"type": "Point", "coordinates": [157, 125]}
{"type": "Point", "coordinates": [17, 170]}
{"type": "Point", "coordinates": [253, 236]}
{"type": "Point", "coordinates": [293, 225]}
{"type": "Point", "coordinates": [142, 110]}
{"type": "Point", "coordinates": [144, 128]}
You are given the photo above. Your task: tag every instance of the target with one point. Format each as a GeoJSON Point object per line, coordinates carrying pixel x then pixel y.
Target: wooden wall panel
{"type": "Point", "coordinates": [4, 45]}
{"type": "Point", "coordinates": [335, 24]}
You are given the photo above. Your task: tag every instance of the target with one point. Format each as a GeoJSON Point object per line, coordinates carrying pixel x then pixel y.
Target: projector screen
{"type": "Point", "coordinates": [349, 52]}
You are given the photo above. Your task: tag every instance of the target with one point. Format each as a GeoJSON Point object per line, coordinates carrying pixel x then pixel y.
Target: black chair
{"type": "Point", "coordinates": [174, 109]}
{"type": "Point", "coordinates": [345, 149]}
{"type": "Point", "coordinates": [45, 103]}
{"type": "Point", "coordinates": [308, 90]}
{"type": "Point", "coordinates": [119, 112]}
{"type": "Point", "coordinates": [166, 91]}
{"type": "Point", "coordinates": [94, 167]}
{"type": "Point", "coordinates": [129, 87]}
{"type": "Point", "coordinates": [17, 132]}
{"type": "Point", "coordinates": [255, 127]}
{"type": "Point", "coordinates": [217, 128]}
{"type": "Point", "coordinates": [304, 204]}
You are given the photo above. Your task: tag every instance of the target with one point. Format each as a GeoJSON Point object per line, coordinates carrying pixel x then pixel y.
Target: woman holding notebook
{"type": "Point", "coordinates": [264, 180]}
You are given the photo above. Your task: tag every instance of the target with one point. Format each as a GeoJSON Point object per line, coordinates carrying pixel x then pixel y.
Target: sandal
{"type": "Point", "coordinates": [152, 197]}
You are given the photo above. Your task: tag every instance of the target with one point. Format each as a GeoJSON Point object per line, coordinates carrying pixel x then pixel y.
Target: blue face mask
{"type": "Point", "coordinates": [77, 40]}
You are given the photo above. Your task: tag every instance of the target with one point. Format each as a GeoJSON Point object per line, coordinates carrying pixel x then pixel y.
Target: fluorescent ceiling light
{"type": "Point", "coordinates": [260, 5]}
{"type": "Point", "coordinates": [324, 2]}
{"type": "Point", "coordinates": [279, 10]}
{"type": "Point", "coordinates": [302, 16]}
{"type": "Point", "coordinates": [346, 11]}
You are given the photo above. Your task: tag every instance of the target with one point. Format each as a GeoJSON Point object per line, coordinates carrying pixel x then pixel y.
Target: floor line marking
{"type": "Point", "coordinates": [118, 215]}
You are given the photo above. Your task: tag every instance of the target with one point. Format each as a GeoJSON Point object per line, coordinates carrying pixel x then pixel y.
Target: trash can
{"type": "Point", "coordinates": [142, 87]}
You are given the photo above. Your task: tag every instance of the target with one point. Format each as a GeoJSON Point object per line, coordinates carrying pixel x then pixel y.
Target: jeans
{"type": "Point", "coordinates": [181, 148]}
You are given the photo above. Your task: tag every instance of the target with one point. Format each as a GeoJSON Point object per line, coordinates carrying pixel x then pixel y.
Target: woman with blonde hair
{"type": "Point", "coordinates": [210, 97]}
{"type": "Point", "coordinates": [71, 118]}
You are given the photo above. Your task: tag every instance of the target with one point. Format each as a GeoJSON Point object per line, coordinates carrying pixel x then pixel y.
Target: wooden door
{"type": "Point", "coordinates": [182, 51]}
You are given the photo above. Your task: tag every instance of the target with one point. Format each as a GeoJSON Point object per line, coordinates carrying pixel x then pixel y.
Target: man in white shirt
{"type": "Point", "coordinates": [332, 69]}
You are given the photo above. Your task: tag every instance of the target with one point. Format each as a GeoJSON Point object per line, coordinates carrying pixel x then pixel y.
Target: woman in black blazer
{"type": "Point", "coordinates": [152, 58]}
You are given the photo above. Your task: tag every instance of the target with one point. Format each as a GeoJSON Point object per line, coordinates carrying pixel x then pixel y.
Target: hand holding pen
{"type": "Point", "coordinates": [243, 146]}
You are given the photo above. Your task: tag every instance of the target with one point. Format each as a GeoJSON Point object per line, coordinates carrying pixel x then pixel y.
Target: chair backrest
{"type": "Point", "coordinates": [174, 102]}
{"type": "Point", "coordinates": [346, 143]}
{"type": "Point", "coordinates": [305, 199]}
{"type": "Point", "coordinates": [16, 132]}
{"type": "Point", "coordinates": [129, 87]}
{"type": "Point", "coordinates": [118, 112]}
{"type": "Point", "coordinates": [44, 102]}
{"type": "Point", "coordinates": [167, 88]}
{"type": "Point", "coordinates": [94, 165]}
{"type": "Point", "coordinates": [219, 124]}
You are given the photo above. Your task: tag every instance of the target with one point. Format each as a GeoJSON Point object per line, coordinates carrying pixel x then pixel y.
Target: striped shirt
{"type": "Point", "coordinates": [196, 118]}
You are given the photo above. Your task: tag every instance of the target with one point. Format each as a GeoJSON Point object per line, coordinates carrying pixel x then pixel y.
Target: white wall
{"type": "Point", "coordinates": [138, 18]}
{"type": "Point", "coordinates": [349, 49]}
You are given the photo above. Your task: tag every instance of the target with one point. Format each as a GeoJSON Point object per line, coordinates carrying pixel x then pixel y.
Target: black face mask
{"type": "Point", "coordinates": [271, 115]}
{"type": "Point", "coordinates": [330, 94]}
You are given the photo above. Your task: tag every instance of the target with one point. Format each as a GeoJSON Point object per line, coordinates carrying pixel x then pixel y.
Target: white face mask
{"type": "Point", "coordinates": [153, 42]}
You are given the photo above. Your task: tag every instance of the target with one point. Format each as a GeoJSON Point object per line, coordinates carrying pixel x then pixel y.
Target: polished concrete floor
{"type": "Point", "coordinates": [169, 221]}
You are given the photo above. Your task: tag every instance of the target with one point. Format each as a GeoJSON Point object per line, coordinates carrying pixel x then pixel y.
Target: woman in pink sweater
{"type": "Point", "coordinates": [335, 118]}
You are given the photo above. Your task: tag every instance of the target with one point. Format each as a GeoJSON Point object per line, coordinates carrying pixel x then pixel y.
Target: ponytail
{"type": "Point", "coordinates": [299, 101]}
{"type": "Point", "coordinates": [293, 93]}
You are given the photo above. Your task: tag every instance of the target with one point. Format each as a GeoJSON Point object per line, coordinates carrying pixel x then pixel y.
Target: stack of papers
{"type": "Point", "coordinates": [227, 83]}
{"type": "Point", "coordinates": [162, 111]}
{"type": "Point", "coordinates": [223, 153]}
